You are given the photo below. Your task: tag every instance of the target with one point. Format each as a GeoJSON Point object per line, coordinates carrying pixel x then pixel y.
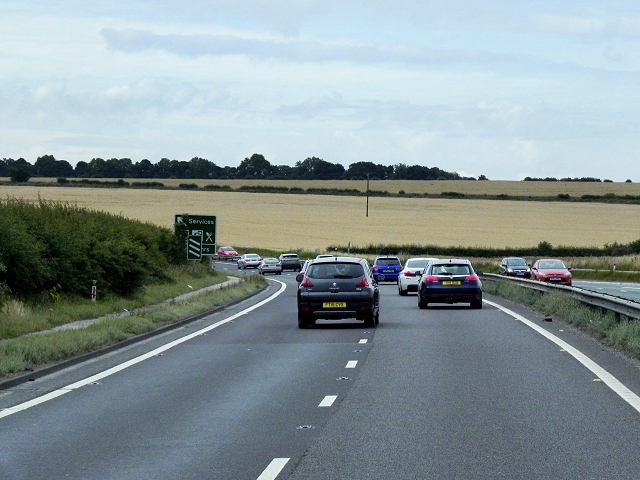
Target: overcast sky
{"type": "Point", "coordinates": [500, 88]}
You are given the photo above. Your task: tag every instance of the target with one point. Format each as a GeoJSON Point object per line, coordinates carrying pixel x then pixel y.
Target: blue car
{"type": "Point", "coordinates": [386, 269]}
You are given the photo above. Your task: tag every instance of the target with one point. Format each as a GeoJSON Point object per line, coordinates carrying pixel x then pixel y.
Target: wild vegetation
{"type": "Point", "coordinates": [621, 334]}
{"type": "Point", "coordinates": [53, 253]}
{"type": "Point", "coordinates": [49, 246]}
{"type": "Point", "coordinates": [22, 350]}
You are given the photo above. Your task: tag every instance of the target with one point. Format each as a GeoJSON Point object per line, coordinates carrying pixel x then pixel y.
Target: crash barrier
{"type": "Point", "coordinates": [225, 258]}
{"type": "Point", "coordinates": [618, 305]}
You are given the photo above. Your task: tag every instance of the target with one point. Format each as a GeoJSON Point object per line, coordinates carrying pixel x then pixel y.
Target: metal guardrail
{"type": "Point", "coordinates": [618, 305]}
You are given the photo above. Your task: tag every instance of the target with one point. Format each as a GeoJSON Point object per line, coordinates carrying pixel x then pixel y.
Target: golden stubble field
{"type": "Point", "coordinates": [313, 222]}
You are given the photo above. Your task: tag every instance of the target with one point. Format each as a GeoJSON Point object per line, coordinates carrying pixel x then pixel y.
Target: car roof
{"type": "Point", "coordinates": [422, 258]}
{"type": "Point", "coordinates": [386, 256]}
{"type": "Point", "coordinates": [451, 260]}
{"type": "Point", "coordinates": [338, 260]}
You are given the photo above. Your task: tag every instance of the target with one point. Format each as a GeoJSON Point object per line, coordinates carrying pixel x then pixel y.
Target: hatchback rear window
{"type": "Point", "coordinates": [388, 262]}
{"type": "Point", "coordinates": [335, 270]}
{"type": "Point", "coordinates": [451, 269]}
{"type": "Point", "coordinates": [417, 263]}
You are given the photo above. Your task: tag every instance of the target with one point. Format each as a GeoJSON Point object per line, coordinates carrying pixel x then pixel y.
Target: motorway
{"type": "Point", "coordinates": [443, 393]}
{"type": "Point", "coordinates": [628, 290]}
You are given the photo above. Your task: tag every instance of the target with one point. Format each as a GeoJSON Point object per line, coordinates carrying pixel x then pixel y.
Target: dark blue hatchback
{"type": "Point", "coordinates": [386, 269]}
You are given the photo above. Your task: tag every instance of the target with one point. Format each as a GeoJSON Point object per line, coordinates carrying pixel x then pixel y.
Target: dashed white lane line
{"type": "Point", "coordinates": [612, 382]}
{"type": "Point", "coordinates": [351, 364]}
{"type": "Point", "coordinates": [363, 340]}
{"type": "Point", "coordinates": [94, 378]}
{"type": "Point", "coordinates": [273, 469]}
{"type": "Point", "coordinates": [328, 401]}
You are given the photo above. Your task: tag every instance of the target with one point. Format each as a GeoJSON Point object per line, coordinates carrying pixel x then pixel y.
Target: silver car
{"type": "Point", "coordinates": [409, 276]}
{"type": "Point", "coordinates": [249, 260]}
{"type": "Point", "coordinates": [270, 265]}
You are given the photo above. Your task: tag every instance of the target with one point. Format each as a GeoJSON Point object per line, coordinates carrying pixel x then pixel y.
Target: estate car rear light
{"type": "Point", "coordinates": [471, 278]}
{"type": "Point", "coordinates": [430, 278]}
{"type": "Point", "coordinates": [306, 283]}
{"type": "Point", "coordinates": [363, 283]}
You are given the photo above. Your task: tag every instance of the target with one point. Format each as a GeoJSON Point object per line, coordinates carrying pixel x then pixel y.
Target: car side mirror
{"type": "Point", "coordinates": [299, 277]}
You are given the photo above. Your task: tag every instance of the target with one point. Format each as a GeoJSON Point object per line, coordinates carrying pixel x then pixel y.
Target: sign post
{"type": "Point", "coordinates": [200, 232]}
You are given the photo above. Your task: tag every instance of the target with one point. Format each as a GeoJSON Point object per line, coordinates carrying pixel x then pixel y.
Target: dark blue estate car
{"type": "Point", "coordinates": [386, 269]}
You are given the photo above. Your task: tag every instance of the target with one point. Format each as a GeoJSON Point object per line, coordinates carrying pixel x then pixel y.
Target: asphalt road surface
{"type": "Point", "coordinates": [443, 393]}
{"type": "Point", "coordinates": [630, 291]}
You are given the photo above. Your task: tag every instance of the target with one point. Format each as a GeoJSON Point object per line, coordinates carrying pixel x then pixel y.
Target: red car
{"type": "Point", "coordinates": [552, 271]}
{"type": "Point", "coordinates": [227, 252]}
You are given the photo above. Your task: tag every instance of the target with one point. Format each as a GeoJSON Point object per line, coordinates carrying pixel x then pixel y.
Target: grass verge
{"type": "Point", "coordinates": [26, 353]}
{"type": "Point", "coordinates": [623, 335]}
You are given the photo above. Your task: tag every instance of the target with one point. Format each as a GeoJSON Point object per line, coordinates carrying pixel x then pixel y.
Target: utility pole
{"type": "Point", "coordinates": [367, 195]}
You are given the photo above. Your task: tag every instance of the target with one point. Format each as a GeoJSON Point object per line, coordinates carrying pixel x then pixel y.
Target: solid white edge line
{"type": "Point", "coordinates": [351, 364]}
{"type": "Point", "coordinates": [328, 401]}
{"type": "Point", "coordinates": [612, 382]}
{"type": "Point", "coordinates": [94, 378]}
{"type": "Point", "coordinates": [273, 469]}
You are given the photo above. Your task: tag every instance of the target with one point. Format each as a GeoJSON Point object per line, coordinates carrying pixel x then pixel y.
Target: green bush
{"type": "Point", "coordinates": [47, 244]}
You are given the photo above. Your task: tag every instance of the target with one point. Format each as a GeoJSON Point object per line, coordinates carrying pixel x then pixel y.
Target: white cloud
{"type": "Point", "coordinates": [488, 87]}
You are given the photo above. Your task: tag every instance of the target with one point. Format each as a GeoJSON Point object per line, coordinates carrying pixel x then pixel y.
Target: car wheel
{"type": "Point", "coordinates": [401, 292]}
{"type": "Point", "coordinates": [377, 317]}
{"type": "Point", "coordinates": [304, 321]}
{"type": "Point", "coordinates": [422, 304]}
{"type": "Point", "coordinates": [370, 321]}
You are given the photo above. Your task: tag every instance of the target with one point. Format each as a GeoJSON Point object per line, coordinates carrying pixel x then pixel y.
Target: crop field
{"type": "Point", "coordinates": [467, 187]}
{"type": "Point", "coordinates": [313, 222]}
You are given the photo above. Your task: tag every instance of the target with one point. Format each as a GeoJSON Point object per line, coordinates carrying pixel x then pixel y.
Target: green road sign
{"type": "Point", "coordinates": [199, 226]}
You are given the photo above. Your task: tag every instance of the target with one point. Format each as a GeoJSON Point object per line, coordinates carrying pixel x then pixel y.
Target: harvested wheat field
{"type": "Point", "coordinates": [313, 222]}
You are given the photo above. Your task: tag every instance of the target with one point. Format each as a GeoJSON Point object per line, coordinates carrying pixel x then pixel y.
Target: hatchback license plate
{"type": "Point", "coordinates": [388, 271]}
{"type": "Point", "coordinates": [451, 283]}
{"type": "Point", "coordinates": [334, 305]}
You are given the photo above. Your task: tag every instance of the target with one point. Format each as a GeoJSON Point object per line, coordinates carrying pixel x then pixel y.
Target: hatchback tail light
{"type": "Point", "coordinates": [306, 283]}
{"type": "Point", "coordinates": [363, 282]}
{"type": "Point", "coordinates": [430, 278]}
{"type": "Point", "coordinates": [409, 274]}
{"type": "Point", "coordinates": [471, 278]}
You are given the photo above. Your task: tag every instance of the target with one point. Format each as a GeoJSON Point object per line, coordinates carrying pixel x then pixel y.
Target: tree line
{"type": "Point", "coordinates": [254, 167]}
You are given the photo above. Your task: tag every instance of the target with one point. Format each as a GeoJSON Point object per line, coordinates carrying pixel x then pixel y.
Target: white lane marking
{"type": "Point", "coordinates": [363, 340]}
{"type": "Point", "coordinates": [273, 469]}
{"type": "Point", "coordinates": [612, 382]}
{"type": "Point", "coordinates": [351, 364]}
{"type": "Point", "coordinates": [328, 401]}
{"type": "Point", "coordinates": [94, 378]}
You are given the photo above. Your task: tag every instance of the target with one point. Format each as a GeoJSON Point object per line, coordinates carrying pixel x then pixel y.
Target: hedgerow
{"type": "Point", "coordinates": [45, 244]}
{"type": "Point", "coordinates": [542, 249]}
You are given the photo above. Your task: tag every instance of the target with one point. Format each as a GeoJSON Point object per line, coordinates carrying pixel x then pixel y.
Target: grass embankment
{"type": "Point", "coordinates": [20, 352]}
{"type": "Point", "coordinates": [623, 335]}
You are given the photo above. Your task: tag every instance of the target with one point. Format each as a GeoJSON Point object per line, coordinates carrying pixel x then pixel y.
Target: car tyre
{"type": "Point", "coordinates": [422, 304]}
{"type": "Point", "coordinates": [303, 321]}
{"type": "Point", "coordinates": [401, 292]}
{"type": "Point", "coordinates": [370, 321]}
{"type": "Point", "coordinates": [476, 304]}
